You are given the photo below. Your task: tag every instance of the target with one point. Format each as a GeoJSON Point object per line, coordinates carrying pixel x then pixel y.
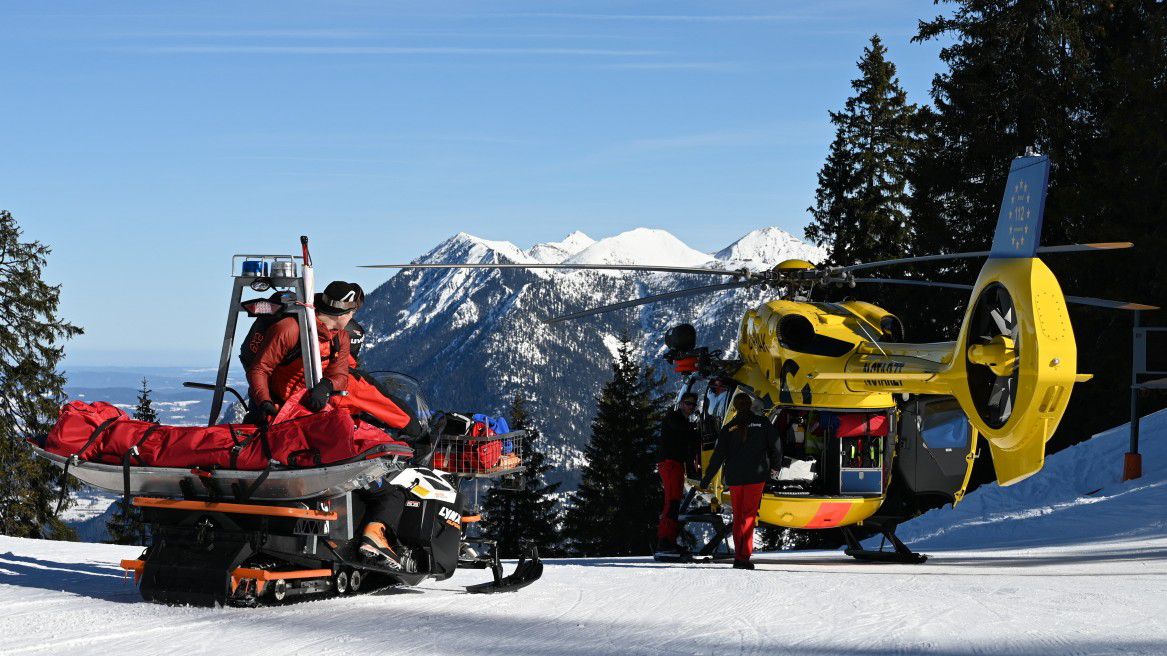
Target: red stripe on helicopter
{"type": "Point", "coordinates": [829, 514]}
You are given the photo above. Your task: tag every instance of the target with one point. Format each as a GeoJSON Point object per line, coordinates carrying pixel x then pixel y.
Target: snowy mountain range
{"type": "Point", "coordinates": [475, 338]}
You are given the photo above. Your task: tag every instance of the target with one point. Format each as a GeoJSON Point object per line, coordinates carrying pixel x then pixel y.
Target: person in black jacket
{"type": "Point", "coordinates": [676, 446]}
{"type": "Point", "coordinates": [749, 448]}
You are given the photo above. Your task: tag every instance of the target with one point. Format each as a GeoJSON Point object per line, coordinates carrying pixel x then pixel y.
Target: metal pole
{"type": "Point", "coordinates": [1133, 463]}
{"type": "Point", "coordinates": [228, 344]}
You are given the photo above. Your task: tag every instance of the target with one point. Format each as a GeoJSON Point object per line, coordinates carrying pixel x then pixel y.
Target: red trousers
{"type": "Point", "coordinates": [363, 396]}
{"type": "Point", "coordinates": [745, 500]}
{"type": "Point", "coordinates": [672, 479]}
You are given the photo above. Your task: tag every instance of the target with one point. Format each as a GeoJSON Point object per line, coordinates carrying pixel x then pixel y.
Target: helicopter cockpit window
{"type": "Point", "coordinates": [716, 400]}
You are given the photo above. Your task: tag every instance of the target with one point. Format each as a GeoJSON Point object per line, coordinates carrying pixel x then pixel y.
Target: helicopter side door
{"type": "Point", "coordinates": [937, 445]}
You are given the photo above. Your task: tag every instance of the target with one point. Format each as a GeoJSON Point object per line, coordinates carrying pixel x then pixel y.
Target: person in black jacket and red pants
{"type": "Point", "coordinates": [749, 448]}
{"type": "Point", "coordinates": [676, 446]}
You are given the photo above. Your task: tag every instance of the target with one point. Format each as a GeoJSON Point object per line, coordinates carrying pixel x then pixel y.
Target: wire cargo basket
{"type": "Point", "coordinates": [488, 456]}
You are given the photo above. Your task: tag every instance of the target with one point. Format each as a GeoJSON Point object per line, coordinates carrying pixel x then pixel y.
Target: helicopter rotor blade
{"type": "Point", "coordinates": [600, 267]}
{"type": "Point", "coordinates": [918, 283]}
{"type": "Point", "coordinates": [1064, 248]}
{"type": "Point", "coordinates": [1076, 300]}
{"type": "Point", "coordinates": [1106, 303]}
{"type": "Point", "coordinates": [692, 291]}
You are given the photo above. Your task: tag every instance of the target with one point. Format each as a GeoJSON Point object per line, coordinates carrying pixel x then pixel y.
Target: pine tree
{"type": "Point", "coordinates": [1082, 82]}
{"type": "Point", "coordinates": [126, 525]}
{"type": "Point", "coordinates": [514, 518]}
{"type": "Point", "coordinates": [614, 510]}
{"type": "Point", "coordinates": [31, 347]}
{"type": "Point", "coordinates": [860, 211]}
{"type": "Point", "coordinates": [144, 411]}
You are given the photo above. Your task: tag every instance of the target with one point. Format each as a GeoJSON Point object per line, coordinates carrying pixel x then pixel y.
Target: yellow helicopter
{"type": "Point", "coordinates": [853, 400]}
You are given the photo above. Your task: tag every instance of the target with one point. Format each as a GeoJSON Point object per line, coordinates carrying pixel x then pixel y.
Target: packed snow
{"type": "Point", "coordinates": [1073, 561]}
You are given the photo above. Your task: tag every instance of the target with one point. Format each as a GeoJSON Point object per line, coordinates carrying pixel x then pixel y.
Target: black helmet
{"type": "Point", "coordinates": [339, 297]}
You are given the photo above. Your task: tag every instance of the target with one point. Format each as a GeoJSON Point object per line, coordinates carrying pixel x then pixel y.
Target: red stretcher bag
{"type": "Point", "coordinates": [313, 439]}
{"type": "Point", "coordinates": [80, 427]}
{"type": "Point", "coordinates": [101, 432]}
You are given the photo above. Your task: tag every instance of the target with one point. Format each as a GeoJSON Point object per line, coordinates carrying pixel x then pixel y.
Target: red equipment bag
{"type": "Point", "coordinates": [860, 424]}
{"type": "Point", "coordinates": [80, 427]}
{"type": "Point", "coordinates": [481, 454]}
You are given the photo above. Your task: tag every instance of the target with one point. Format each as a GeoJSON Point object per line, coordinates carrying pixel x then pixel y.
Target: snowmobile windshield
{"type": "Point", "coordinates": [406, 388]}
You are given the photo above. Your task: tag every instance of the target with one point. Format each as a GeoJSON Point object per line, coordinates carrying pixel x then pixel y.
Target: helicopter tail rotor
{"type": "Point", "coordinates": [1016, 361]}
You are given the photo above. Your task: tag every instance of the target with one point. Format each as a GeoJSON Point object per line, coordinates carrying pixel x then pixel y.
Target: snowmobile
{"type": "Point", "coordinates": [223, 536]}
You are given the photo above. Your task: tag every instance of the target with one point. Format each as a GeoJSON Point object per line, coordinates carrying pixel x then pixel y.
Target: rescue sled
{"type": "Point", "coordinates": [288, 526]}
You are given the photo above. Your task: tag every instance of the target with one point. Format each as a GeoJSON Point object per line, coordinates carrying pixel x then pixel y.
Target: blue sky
{"type": "Point", "coordinates": [147, 142]}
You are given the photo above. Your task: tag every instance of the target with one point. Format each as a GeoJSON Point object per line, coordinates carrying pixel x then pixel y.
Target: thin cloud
{"type": "Point", "coordinates": [680, 66]}
{"type": "Point", "coordinates": [337, 33]}
{"type": "Point", "coordinates": [382, 50]}
{"type": "Point", "coordinates": [345, 33]}
{"type": "Point", "coordinates": [757, 136]}
{"type": "Point", "coordinates": [669, 18]}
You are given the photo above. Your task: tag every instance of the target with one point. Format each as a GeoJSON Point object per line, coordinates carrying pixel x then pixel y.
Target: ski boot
{"type": "Point", "coordinates": [375, 548]}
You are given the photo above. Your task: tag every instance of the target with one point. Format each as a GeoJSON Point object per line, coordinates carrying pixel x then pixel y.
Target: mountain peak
{"type": "Point", "coordinates": [573, 243]}
{"type": "Point", "coordinates": [470, 249]}
{"type": "Point", "coordinates": [641, 246]}
{"type": "Point", "coordinates": [767, 247]}
{"type": "Point", "coordinates": [554, 252]}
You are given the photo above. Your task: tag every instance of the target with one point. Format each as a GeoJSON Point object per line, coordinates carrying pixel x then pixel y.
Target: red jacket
{"type": "Point", "coordinates": [275, 376]}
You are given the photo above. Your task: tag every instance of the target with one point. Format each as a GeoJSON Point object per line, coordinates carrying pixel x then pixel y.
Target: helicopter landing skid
{"type": "Point", "coordinates": [900, 553]}
{"type": "Point", "coordinates": [690, 553]}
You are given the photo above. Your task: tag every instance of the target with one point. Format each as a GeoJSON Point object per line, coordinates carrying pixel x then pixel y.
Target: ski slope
{"type": "Point", "coordinates": [1071, 562]}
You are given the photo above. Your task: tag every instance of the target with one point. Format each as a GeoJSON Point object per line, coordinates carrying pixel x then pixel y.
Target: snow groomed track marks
{"type": "Point", "coordinates": [1071, 562]}
{"type": "Point", "coordinates": [57, 597]}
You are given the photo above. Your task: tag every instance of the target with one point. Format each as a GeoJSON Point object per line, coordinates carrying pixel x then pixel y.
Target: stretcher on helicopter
{"type": "Point", "coordinates": [239, 515]}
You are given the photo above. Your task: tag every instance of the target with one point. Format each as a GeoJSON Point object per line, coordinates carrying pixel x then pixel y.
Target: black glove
{"type": "Point", "coordinates": [317, 397]}
{"type": "Point", "coordinates": [261, 414]}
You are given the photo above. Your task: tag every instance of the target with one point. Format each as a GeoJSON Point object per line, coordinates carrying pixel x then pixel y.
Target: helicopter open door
{"type": "Point", "coordinates": [937, 447]}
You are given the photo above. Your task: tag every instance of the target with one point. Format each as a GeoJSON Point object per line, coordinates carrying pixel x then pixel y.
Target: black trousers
{"type": "Point", "coordinates": [383, 504]}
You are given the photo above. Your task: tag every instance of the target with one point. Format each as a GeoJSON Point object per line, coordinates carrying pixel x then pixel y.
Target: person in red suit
{"type": "Point", "coordinates": [676, 446]}
{"type": "Point", "coordinates": [749, 448]}
{"type": "Point", "coordinates": [278, 373]}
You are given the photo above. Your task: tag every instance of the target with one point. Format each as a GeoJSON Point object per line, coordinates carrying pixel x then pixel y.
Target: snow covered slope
{"type": "Point", "coordinates": [1049, 570]}
{"type": "Point", "coordinates": [1077, 497]}
{"type": "Point", "coordinates": [476, 338]}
